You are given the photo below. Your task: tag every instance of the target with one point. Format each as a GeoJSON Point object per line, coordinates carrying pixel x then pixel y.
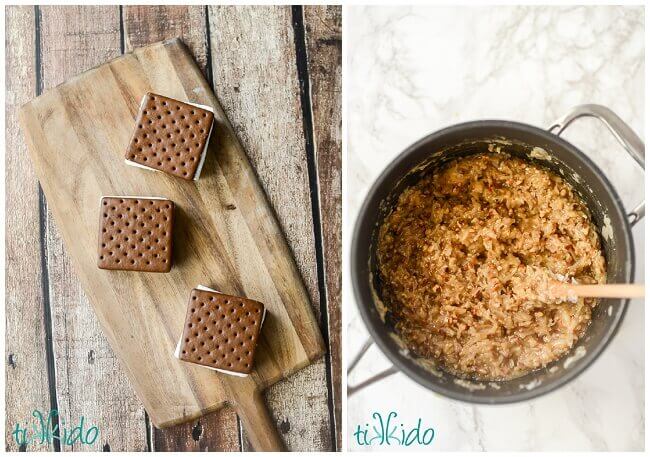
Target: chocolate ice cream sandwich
{"type": "Point", "coordinates": [221, 331]}
{"type": "Point", "coordinates": [170, 136]}
{"type": "Point", "coordinates": [135, 233]}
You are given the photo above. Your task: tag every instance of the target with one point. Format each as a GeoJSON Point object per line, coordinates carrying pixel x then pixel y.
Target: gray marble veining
{"type": "Point", "coordinates": [411, 71]}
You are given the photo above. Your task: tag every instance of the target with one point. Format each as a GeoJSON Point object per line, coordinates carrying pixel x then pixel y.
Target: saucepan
{"type": "Point", "coordinates": [545, 148]}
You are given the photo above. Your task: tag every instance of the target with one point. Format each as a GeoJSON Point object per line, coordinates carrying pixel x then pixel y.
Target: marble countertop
{"type": "Point", "coordinates": [412, 71]}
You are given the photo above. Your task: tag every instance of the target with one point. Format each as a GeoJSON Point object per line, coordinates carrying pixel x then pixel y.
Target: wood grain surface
{"type": "Point", "coordinates": [139, 26]}
{"type": "Point", "coordinates": [26, 375]}
{"type": "Point", "coordinates": [254, 68]}
{"type": "Point", "coordinates": [143, 25]}
{"type": "Point", "coordinates": [80, 347]}
{"type": "Point", "coordinates": [323, 30]}
{"type": "Point", "coordinates": [225, 235]}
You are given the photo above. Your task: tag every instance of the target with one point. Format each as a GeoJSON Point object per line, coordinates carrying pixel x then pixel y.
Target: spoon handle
{"type": "Point", "coordinates": [605, 290]}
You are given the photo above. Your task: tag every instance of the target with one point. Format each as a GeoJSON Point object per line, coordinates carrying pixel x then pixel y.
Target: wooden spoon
{"type": "Point", "coordinates": [560, 290]}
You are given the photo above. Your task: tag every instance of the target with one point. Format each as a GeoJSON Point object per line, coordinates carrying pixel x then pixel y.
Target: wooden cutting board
{"type": "Point", "coordinates": [225, 237]}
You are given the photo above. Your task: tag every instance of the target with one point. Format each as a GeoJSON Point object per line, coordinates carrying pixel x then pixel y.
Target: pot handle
{"type": "Point", "coordinates": [371, 380]}
{"type": "Point", "coordinates": [621, 131]}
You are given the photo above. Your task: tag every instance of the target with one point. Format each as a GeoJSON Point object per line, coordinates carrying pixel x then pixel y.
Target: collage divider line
{"type": "Point", "coordinates": [344, 221]}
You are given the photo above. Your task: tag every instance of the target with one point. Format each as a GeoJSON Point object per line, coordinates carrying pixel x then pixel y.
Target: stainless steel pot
{"type": "Point", "coordinates": [548, 149]}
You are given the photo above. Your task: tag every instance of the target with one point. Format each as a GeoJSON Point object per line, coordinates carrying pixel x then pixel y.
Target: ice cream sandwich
{"type": "Point", "coordinates": [135, 233]}
{"type": "Point", "coordinates": [170, 136]}
{"type": "Point", "coordinates": [221, 331]}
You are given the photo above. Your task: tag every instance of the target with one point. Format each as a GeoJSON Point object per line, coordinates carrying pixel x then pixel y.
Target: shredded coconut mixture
{"type": "Point", "coordinates": [464, 254]}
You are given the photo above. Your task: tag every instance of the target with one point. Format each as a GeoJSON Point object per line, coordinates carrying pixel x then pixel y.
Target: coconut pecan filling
{"type": "Point", "coordinates": [462, 249]}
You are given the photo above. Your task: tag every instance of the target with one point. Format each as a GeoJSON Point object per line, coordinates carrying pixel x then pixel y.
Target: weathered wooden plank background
{"type": "Point", "coordinates": [26, 377]}
{"type": "Point", "coordinates": [277, 73]}
{"type": "Point", "coordinates": [323, 36]}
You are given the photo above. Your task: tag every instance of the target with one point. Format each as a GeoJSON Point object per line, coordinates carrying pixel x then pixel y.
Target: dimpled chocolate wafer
{"type": "Point", "coordinates": [221, 331]}
{"type": "Point", "coordinates": [170, 136]}
{"type": "Point", "coordinates": [136, 234]}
